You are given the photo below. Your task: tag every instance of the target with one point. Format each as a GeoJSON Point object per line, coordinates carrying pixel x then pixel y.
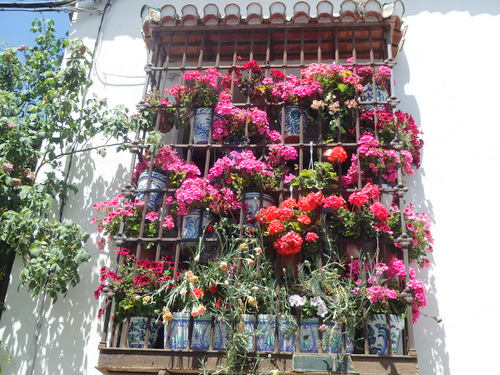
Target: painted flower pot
{"type": "Point", "coordinates": [367, 96]}
{"type": "Point", "coordinates": [287, 336]}
{"type": "Point", "coordinates": [191, 227]}
{"type": "Point", "coordinates": [178, 328]}
{"type": "Point", "coordinates": [249, 330]}
{"type": "Point", "coordinates": [378, 334]}
{"type": "Point", "coordinates": [222, 332]}
{"type": "Point", "coordinates": [137, 332]}
{"type": "Point", "coordinates": [201, 121]}
{"type": "Point", "coordinates": [266, 328]}
{"type": "Point", "coordinates": [333, 337]}
{"type": "Point", "coordinates": [291, 122]}
{"type": "Point", "coordinates": [200, 340]}
{"type": "Point", "coordinates": [309, 335]}
{"type": "Point", "coordinates": [154, 199]}
{"type": "Point", "coordinates": [251, 200]}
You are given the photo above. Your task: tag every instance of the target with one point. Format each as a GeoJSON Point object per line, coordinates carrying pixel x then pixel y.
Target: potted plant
{"type": "Point", "coordinates": [132, 213]}
{"type": "Point", "coordinates": [293, 228]}
{"type": "Point", "coordinates": [239, 125]}
{"type": "Point", "coordinates": [385, 297]}
{"type": "Point", "coordinates": [360, 219]}
{"type": "Point", "coordinates": [166, 116]}
{"type": "Point", "coordinates": [294, 94]}
{"type": "Point", "coordinates": [198, 201]}
{"type": "Point", "coordinates": [376, 84]}
{"type": "Point", "coordinates": [134, 284]}
{"type": "Point", "coordinates": [379, 162]}
{"type": "Point", "coordinates": [228, 289]}
{"type": "Point", "coordinates": [323, 292]}
{"type": "Point", "coordinates": [199, 95]}
{"type": "Point", "coordinates": [168, 168]}
{"type": "Point", "coordinates": [339, 86]}
{"type": "Point", "coordinates": [252, 178]}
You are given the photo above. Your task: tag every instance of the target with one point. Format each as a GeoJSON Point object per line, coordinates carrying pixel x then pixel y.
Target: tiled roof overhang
{"type": "Point", "coordinates": [348, 14]}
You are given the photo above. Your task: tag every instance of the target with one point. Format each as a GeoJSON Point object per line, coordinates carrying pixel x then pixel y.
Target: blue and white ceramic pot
{"type": "Point", "coordinates": [191, 227]}
{"type": "Point", "coordinates": [367, 96]}
{"type": "Point", "coordinates": [137, 332]}
{"type": "Point", "coordinates": [201, 332]}
{"type": "Point", "coordinates": [287, 336]}
{"type": "Point", "coordinates": [378, 333]}
{"type": "Point", "coordinates": [155, 198]}
{"type": "Point", "coordinates": [333, 337]}
{"type": "Point", "coordinates": [291, 122]}
{"type": "Point", "coordinates": [179, 331]}
{"type": "Point", "coordinates": [251, 200]}
{"type": "Point", "coordinates": [202, 121]}
{"type": "Point", "coordinates": [222, 332]}
{"type": "Point", "coordinates": [309, 335]}
{"type": "Point", "coordinates": [266, 328]}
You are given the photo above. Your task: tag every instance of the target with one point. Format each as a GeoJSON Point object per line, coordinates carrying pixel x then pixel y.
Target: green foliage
{"type": "Point", "coordinates": [45, 115]}
{"type": "Point", "coordinates": [322, 176]}
{"type": "Point", "coordinates": [4, 355]}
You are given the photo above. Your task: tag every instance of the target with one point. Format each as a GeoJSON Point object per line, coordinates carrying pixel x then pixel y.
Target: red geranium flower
{"type": "Point", "coordinates": [197, 293]}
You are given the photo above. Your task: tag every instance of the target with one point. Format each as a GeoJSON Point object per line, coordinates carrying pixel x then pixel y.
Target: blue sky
{"type": "Point", "coordinates": [15, 25]}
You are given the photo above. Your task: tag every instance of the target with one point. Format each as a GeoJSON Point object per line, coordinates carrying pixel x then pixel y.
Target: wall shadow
{"type": "Point", "coordinates": [430, 337]}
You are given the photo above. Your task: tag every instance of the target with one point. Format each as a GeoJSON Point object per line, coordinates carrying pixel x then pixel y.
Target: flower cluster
{"type": "Point", "coordinates": [293, 223]}
{"type": "Point", "coordinates": [200, 91]}
{"type": "Point", "coordinates": [362, 217]}
{"type": "Point", "coordinates": [289, 90]}
{"type": "Point", "coordinates": [237, 124]}
{"type": "Point", "coordinates": [169, 163]}
{"type": "Point", "coordinates": [242, 171]}
{"type": "Point", "coordinates": [309, 307]}
{"type": "Point", "coordinates": [134, 283]}
{"type": "Point", "coordinates": [198, 192]}
{"type": "Point", "coordinates": [376, 161]}
{"type": "Point", "coordinates": [381, 75]}
{"type": "Point", "coordinates": [383, 286]}
{"type": "Point", "coordinates": [339, 85]}
{"type": "Point", "coordinates": [119, 210]}
{"type": "Point", "coordinates": [417, 228]}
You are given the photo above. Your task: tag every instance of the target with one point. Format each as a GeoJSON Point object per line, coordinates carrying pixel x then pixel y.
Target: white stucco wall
{"type": "Point", "coordinates": [446, 77]}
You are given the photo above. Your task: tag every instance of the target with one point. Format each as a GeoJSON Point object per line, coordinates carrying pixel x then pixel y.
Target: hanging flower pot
{"type": "Point", "coordinates": [154, 198]}
{"type": "Point", "coordinates": [137, 332]}
{"type": "Point", "coordinates": [291, 122]}
{"type": "Point", "coordinates": [201, 121]}
{"type": "Point", "coordinates": [378, 334]}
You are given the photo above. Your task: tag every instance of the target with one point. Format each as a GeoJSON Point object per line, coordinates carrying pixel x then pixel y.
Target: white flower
{"type": "Point", "coordinates": [296, 300]}
{"type": "Point", "coordinates": [322, 310]}
{"type": "Point", "coordinates": [316, 301]}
